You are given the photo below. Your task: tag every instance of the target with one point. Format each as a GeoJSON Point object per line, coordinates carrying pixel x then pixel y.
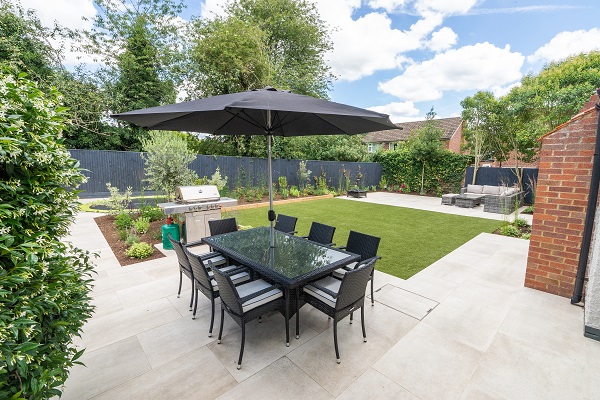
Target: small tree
{"type": "Point", "coordinates": [425, 145]}
{"type": "Point", "coordinates": [44, 282]}
{"type": "Point", "coordinates": [166, 160]}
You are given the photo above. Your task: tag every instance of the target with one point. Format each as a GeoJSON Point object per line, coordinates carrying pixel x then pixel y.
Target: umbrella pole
{"type": "Point", "coordinates": [269, 164]}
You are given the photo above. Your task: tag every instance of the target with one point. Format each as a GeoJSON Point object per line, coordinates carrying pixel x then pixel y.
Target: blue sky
{"type": "Point", "coordinates": [403, 57]}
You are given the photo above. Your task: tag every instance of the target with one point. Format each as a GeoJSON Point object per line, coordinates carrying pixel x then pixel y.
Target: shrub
{"type": "Point", "coordinates": [140, 250]}
{"type": "Point", "coordinates": [44, 283]}
{"type": "Point", "coordinates": [510, 230]}
{"type": "Point", "coordinates": [156, 234]}
{"type": "Point", "coordinates": [528, 210]}
{"type": "Point", "coordinates": [166, 162]}
{"type": "Point", "coordinates": [294, 192]}
{"type": "Point", "coordinates": [383, 183]}
{"type": "Point", "coordinates": [123, 233]}
{"type": "Point", "coordinates": [526, 236]}
{"type": "Point", "coordinates": [123, 221]}
{"type": "Point", "coordinates": [219, 182]}
{"type": "Point", "coordinates": [303, 175]}
{"type": "Point", "coordinates": [132, 239]}
{"type": "Point", "coordinates": [153, 213]}
{"type": "Point", "coordinates": [520, 222]}
{"type": "Point", "coordinates": [117, 202]}
{"type": "Point", "coordinates": [142, 224]}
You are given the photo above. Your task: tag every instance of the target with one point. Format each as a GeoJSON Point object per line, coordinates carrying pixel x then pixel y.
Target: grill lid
{"type": "Point", "coordinates": [196, 194]}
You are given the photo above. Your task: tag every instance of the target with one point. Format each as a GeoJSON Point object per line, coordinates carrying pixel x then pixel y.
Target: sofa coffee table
{"type": "Point", "coordinates": [468, 200]}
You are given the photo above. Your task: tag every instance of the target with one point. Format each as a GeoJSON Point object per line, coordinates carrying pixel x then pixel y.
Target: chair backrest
{"type": "Point", "coordinates": [227, 292]}
{"type": "Point", "coordinates": [199, 270]}
{"type": "Point", "coordinates": [321, 233]}
{"type": "Point", "coordinates": [364, 245]}
{"type": "Point", "coordinates": [184, 263]}
{"type": "Point", "coordinates": [354, 284]}
{"type": "Point", "coordinates": [285, 223]}
{"type": "Point", "coordinates": [219, 226]}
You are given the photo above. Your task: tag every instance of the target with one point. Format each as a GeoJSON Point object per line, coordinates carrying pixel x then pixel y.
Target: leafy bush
{"type": "Point", "coordinates": [156, 234]}
{"type": "Point", "coordinates": [132, 239]}
{"type": "Point", "coordinates": [123, 221]}
{"type": "Point", "coordinates": [294, 192]}
{"type": "Point", "coordinates": [303, 175]}
{"type": "Point", "coordinates": [526, 236]}
{"type": "Point", "coordinates": [153, 213]}
{"type": "Point", "coordinates": [166, 162]}
{"type": "Point", "coordinates": [142, 224]}
{"type": "Point", "coordinates": [528, 210]}
{"type": "Point", "coordinates": [520, 222]}
{"type": "Point", "coordinates": [510, 230]}
{"type": "Point", "coordinates": [117, 202]}
{"type": "Point", "coordinates": [445, 175]}
{"type": "Point", "coordinates": [140, 250]}
{"type": "Point", "coordinates": [283, 190]}
{"type": "Point", "coordinates": [219, 182]}
{"type": "Point", "coordinates": [123, 233]}
{"type": "Point", "coordinates": [44, 283]}
{"type": "Point", "coordinates": [383, 183]}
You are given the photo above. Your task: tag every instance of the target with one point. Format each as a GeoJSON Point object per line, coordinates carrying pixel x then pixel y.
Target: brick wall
{"type": "Point", "coordinates": [456, 140]}
{"type": "Point", "coordinates": [565, 169]}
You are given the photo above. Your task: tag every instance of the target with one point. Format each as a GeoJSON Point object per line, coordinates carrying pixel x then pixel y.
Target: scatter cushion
{"type": "Point", "coordinates": [476, 189]}
{"type": "Point", "coordinates": [340, 272]}
{"type": "Point", "coordinates": [495, 190]}
{"type": "Point", "coordinates": [256, 286]}
{"type": "Point", "coordinates": [328, 283]}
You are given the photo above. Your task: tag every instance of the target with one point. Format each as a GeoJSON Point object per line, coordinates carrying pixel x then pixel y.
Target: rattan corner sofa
{"type": "Point", "coordinates": [498, 199]}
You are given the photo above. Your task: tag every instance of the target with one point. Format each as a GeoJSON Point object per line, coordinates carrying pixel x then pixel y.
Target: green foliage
{"type": "Point", "coordinates": [218, 181]}
{"type": "Point", "coordinates": [294, 192]}
{"type": "Point", "coordinates": [132, 239]}
{"type": "Point", "coordinates": [153, 213]}
{"type": "Point", "coordinates": [140, 250]}
{"type": "Point", "coordinates": [44, 283]}
{"type": "Point", "coordinates": [528, 210]}
{"type": "Point", "coordinates": [383, 183]}
{"type": "Point", "coordinates": [321, 184]}
{"type": "Point", "coordinates": [400, 167]}
{"type": "Point", "coordinates": [141, 225]}
{"type": "Point", "coordinates": [123, 220]}
{"type": "Point", "coordinates": [526, 236]}
{"type": "Point", "coordinates": [303, 175]}
{"type": "Point", "coordinates": [520, 222]}
{"type": "Point", "coordinates": [283, 187]}
{"type": "Point", "coordinates": [510, 230]}
{"type": "Point", "coordinates": [117, 202]}
{"type": "Point", "coordinates": [123, 233]}
{"type": "Point", "coordinates": [166, 162]}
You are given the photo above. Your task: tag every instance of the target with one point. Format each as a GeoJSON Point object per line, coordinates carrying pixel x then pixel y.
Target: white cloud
{"type": "Point", "coordinates": [445, 7]}
{"type": "Point", "coordinates": [388, 5]}
{"type": "Point", "coordinates": [565, 44]}
{"type": "Point", "coordinates": [475, 67]}
{"type": "Point", "coordinates": [210, 8]}
{"type": "Point", "coordinates": [499, 91]}
{"type": "Point", "coordinates": [442, 39]}
{"type": "Point", "coordinates": [398, 111]}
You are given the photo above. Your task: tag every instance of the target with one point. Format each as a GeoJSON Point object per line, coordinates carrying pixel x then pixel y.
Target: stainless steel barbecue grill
{"type": "Point", "coordinates": [199, 204]}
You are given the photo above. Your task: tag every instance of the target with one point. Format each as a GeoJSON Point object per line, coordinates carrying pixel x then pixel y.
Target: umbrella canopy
{"type": "Point", "coordinates": [245, 113]}
{"type": "Point", "coordinates": [267, 112]}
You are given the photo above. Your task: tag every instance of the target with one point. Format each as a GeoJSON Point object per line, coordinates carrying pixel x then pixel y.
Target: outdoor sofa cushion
{"type": "Point", "coordinates": [493, 190]}
{"type": "Point", "coordinates": [475, 189]}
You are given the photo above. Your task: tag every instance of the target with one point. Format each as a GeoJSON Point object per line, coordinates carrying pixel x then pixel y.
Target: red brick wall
{"type": "Point", "coordinates": [565, 170]}
{"type": "Point", "coordinates": [456, 140]}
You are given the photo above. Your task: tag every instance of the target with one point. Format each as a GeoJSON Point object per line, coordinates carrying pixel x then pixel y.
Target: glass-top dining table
{"type": "Point", "coordinates": [291, 263]}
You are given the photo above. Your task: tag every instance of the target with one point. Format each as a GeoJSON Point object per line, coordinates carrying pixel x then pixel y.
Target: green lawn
{"type": "Point", "coordinates": [410, 239]}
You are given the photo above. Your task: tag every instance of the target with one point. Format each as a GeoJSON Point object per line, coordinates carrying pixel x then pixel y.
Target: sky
{"type": "Point", "coordinates": [403, 57]}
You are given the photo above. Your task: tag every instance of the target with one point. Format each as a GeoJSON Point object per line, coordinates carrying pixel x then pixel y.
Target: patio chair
{"type": "Point", "coordinates": [184, 264]}
{"type": "Point", "coordinates": [286, 224]}
{"type": "Point", "coordinates": [246, 302]}
{"type": "Point", "coordinates": [338, 299]}
{"type": "Point", "coordinates": [364, 245]}
{"type": "Point", "coordinates": [205, 283]}
{"type": "Point", "coordinates": [219, 226]}
{"type": "Point", "coordinates": [321, 233]}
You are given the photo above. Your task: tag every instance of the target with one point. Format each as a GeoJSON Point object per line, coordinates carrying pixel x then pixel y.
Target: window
{"type": "Point", "coordinates": [370, 147]}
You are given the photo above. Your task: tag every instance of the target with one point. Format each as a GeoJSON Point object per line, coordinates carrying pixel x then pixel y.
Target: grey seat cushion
{"type": "Point", "coordinates": [236, 279]}
{"type": "Point", "coordinates": [329, 283]}
{"type": "Point", "coordinates": [256, 286]}
{"type": "Point", "coordinates": [340, 272]}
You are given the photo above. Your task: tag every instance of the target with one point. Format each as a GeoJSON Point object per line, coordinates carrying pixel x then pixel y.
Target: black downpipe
{"type": "Point", "coordinates": [589, 217]}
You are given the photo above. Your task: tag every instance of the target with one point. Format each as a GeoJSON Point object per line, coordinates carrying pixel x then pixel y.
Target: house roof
{"type": "Point", "coordinates": [447, 125]}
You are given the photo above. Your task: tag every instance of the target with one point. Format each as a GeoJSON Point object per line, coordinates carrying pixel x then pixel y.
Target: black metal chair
{"type": "Point", "coordinates": [219, 226]}
{"type": "Point", "coordinates": [184, 264]}
{"type": "Point", "coordinates": [321, 233]}
{"type": "Point", "coordinates": [205, 283]}
{"type": "Point", "coordinates": [246, 302]}
{"type": "Point", "coordinates": [364, 245]}
{"type": "Point", "coordinates": [338, 299]}
{"type": "Point", "coordinates": [286, 224]}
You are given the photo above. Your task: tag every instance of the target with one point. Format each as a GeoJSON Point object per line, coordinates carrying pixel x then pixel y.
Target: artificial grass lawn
{"type": "Point", "coordinates": [410, 239]}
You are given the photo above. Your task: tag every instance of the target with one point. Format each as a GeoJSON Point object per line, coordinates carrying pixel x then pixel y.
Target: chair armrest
{"type": "Point", "coordinates": [324, 289]}
{"type": "Point", "coordinates": [193, 244]}
{"type": "Point", "coordinates": [260, 292]}
{"type": "Point", "coordinates": [206, 256]}
{"type": "Point", "coordinates": [341, 247]}
{"type": "Point", "coordinates": [304, 237]}
{"type": "Point", "coordinates": [463, 190]}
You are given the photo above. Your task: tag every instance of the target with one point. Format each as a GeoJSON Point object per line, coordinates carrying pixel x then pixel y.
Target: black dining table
{"type": "Point", "coordinates": [292, 261]}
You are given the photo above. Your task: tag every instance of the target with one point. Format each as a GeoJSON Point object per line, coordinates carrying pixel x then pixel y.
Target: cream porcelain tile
{"type": "Point", "coordinates": [429, 364]}
{"type": "Point", "coordinates": [372, 385]}
{"type": "Point", "coordinates": [149, 291]}
{"type": "Point", "coordinates": [449, 271]}
{"type": "Point", "coordinates": [114, 283]}
{"type": "Point", "coordinates": [406, 302]}
{"type": "Point", "coordinates": [106, 368]}
{"type": "Point", "coordinates": [99, 332]}
{"type": "Point", "coordinates": [106, 304]}
{"type": "Point", "coordinates": [195, 375]}
{"type": "Point", "coordinates": [490, 294]}
{"type": "Point", "coordinates": [317, 357]}
{"type": "Point", "coordinates": [281, 380]}
{"type": "Point", "coordinates": [428, 286]}
{"type": "Point", "coordinates": [514, 370]}
{"type": "Point", "coordinates": [474, 392]}
{"type": "Point", "coordinates": [387, 321]}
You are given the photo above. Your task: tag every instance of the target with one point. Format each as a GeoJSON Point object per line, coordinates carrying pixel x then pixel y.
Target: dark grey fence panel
{"type": "Point", "coordinates": [123, 169]}
{"type": "Point", "coordinates": [498, 176]}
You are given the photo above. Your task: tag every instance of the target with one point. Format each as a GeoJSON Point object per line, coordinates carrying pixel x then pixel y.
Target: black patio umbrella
{"type": "Point", "coordinates": [267, 112]}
